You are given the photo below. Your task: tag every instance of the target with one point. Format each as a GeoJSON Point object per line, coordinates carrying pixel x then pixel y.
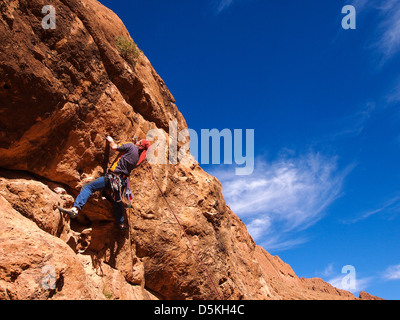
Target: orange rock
{"type": "Point", "coordinates": [62, 91]}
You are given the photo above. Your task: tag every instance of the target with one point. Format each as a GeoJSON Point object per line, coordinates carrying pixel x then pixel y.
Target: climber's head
{"type": "Point", "coordinates": [143, 144]}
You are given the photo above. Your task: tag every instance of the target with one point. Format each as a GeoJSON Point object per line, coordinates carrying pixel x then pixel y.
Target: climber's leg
{"type": "Point", "coordinates": [119, 214]}
{"type": "Point", "coordinates": [84, 195]}
{"type": "Point", "coordinates": [87, 191]}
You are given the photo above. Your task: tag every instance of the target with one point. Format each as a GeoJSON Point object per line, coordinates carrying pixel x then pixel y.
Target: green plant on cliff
{"type": "Point", "coordinates": [107, 293]}
{"type": "Point", "coordinates": [128, 49]}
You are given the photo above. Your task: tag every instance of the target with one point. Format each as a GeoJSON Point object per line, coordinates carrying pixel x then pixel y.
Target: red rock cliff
{"type": "Point", "coordinates": [61, 91]}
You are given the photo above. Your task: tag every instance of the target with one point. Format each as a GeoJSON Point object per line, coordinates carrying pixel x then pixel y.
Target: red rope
{"type": "Point", "coordinates": [184, 232]}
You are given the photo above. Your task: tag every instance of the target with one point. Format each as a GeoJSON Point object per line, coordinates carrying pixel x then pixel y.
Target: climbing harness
{"type": "Point", "coordinates": [184, 232]}
{"type": "Point", "coordinates": [120, 188]}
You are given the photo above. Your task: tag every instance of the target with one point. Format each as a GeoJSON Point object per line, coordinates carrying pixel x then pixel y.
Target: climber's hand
{"type": "Point", "coordinates": [113, 145]}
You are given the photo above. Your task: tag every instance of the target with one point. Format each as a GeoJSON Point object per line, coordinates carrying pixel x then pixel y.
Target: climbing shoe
{"type": "Point", "coordinates": [73, 212]}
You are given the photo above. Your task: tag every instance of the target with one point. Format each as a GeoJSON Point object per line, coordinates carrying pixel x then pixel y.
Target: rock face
{"type": "Point", "coordinates": [62, 91]}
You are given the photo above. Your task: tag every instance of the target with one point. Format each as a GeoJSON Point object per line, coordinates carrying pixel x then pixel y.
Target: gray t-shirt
{"type": "Point", "coordinates": [127, 159]}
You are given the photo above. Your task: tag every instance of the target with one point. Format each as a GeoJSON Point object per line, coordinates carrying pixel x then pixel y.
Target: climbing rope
{"type": "Point", "coordinates": [184, 232]}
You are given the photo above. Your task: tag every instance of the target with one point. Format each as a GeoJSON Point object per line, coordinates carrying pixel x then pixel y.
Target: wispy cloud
{"type": "Point", "coordinates": [386, 40]}
{"type": "Point", "coordinates": [361, 284]}
{"type": "Point", "coordinates": [389, 42]}
{"type": "Point", "coordinates": [339, 279]}
{"type": "Point", "coordinates": [394, 94]}
{"type": "Point", "coordinates": [390, 206]}
{"type": "Point", "coordinates": [283, 197]}
{"type": "Point", "coordinates": [259, 226]}
{"type": "Point", "coordinates": [359, 4]}
{"type": "Point", "coordinates": [353, 124]}
{"type": "Point", "coordinates": [223, 4]}
{"type": "Point", "coordinates": [382, 18]}
{"type": "Point", "coordinates": [392, 273]}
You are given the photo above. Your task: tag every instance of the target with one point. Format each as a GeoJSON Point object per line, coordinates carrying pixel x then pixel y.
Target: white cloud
{"type": "Point", "coordinates": [341, 280]}
{"type": "Point", "coordinates": [223, 4]}
{"type": "Point", "coordinates": [328, 271]}
{"type": "Point", "coordinates": [361, 284]}
{"type": "Point", "coordinates": [390, 206]}
{"type": "Point", "coordinates": [390, 43]}
{"type": "Point", "coordinates": [351, 125]}
{"type": "Point", "coordinates": [387, 39]}
{"type": "Point", "coordinates": [258, 227]}
{"type": "Point", "coordinates": [394, 95]}
{"type": "Point", "coordinates": [283, 197]}
{"type": "Point", "coordinates": [359, 4]}
{"type": "Point", "coordinates": [281, 242]}
{"type": "Point", "coordinates": [392, 273]}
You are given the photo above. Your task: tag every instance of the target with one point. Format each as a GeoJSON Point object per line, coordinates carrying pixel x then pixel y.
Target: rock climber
{"type": "Point", "coordinates": [117, 178]}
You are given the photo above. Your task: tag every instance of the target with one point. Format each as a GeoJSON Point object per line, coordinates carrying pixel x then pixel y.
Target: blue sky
{"type": "Point", "coordinates": [324, 105]}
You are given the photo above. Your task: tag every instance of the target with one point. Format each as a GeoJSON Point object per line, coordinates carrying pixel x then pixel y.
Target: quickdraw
{"type": "Point", "coordinates": [120, 188]}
